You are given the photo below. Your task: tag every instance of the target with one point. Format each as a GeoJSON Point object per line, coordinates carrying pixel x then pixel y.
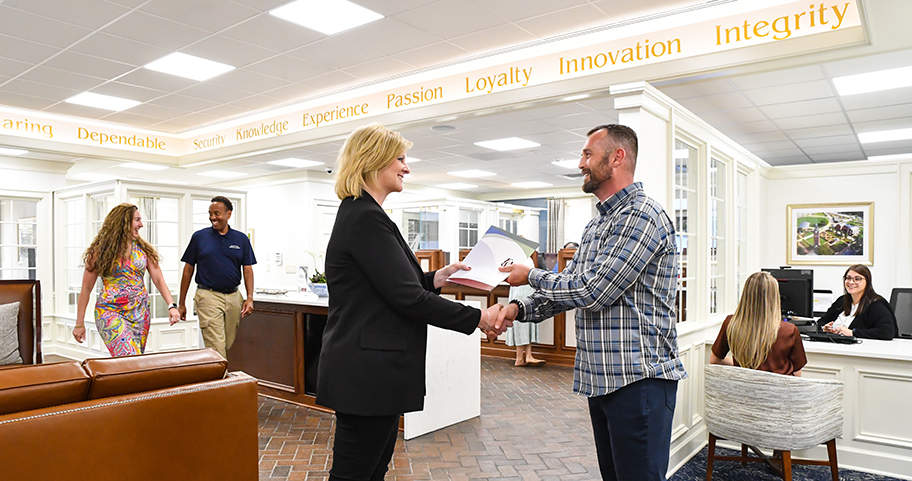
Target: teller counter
{"type": "Point", "coordinates": [280, 343]}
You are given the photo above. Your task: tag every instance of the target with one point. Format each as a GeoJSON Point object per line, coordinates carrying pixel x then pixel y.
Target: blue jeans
{"type": "Point", "coordinates": [632, 428]}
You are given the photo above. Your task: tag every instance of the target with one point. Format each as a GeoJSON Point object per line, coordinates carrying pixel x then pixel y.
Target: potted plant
{"type": "Point", "coordinates": [318, 279]}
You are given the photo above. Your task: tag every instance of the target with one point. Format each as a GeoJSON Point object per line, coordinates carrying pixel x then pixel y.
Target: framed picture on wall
{"type": "Point", "coordinates": [830, 234]}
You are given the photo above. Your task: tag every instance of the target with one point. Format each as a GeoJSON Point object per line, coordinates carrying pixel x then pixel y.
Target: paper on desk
{"type": "Point", "coordinates": [495, 248]}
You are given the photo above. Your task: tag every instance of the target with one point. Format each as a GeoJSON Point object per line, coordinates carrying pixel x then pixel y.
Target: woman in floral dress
{"type": "Point", "coordinates": [121, 257]}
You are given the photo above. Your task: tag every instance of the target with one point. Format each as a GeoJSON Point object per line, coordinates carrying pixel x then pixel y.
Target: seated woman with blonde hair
{"type": "Point", "coordinates": [756, 335]}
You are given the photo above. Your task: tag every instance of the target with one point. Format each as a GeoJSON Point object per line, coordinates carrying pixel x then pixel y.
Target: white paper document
{"type": "Point", "coordinates": [496, 248]}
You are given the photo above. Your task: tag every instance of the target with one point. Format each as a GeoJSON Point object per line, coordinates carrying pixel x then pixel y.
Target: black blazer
{"type": "Point", "coordinates": [875, 322]}
{"type": "Point", "coordinates": [373, 356]}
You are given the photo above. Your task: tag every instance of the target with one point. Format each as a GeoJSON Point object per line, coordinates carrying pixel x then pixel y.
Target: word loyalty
{"type": "Point", "coordinates": [513, 76]}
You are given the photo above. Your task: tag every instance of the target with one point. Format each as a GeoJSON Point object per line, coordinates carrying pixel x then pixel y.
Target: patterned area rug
{"type": "Point", "coordinates": [695, 470]}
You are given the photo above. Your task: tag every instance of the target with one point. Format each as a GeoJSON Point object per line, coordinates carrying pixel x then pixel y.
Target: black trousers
{"type": "Point", "coordinates": [363, 447]}
{"type": "Point", "coordinates": [632, 428]}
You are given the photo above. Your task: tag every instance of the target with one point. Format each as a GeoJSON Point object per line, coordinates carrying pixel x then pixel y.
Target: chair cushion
{"type": "Point", "coordinates": [126, 375]}
{"type": "Point", "coordinates": [27, 387]}
{"type": "Point", "coordinates": [9, 334]}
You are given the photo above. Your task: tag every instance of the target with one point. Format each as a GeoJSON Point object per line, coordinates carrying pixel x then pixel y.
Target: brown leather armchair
{"type": "Point", "coordinates": [28, 293]}
{"type": "Point", "coordinates": [173, 416]}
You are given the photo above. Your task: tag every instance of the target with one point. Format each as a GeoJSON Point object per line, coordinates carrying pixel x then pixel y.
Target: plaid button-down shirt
{"type": "Point", "coordinates": [622, 281]}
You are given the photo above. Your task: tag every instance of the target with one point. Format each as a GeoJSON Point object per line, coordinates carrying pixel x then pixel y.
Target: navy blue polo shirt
{"type": "Point", "coordinates": [218, 258]}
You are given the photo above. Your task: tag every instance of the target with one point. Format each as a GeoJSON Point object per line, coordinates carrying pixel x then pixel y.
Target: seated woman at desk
{"type": "Point", "coordinates": [860, 312]}
{"type": "Point", "coordinates": [756, 335]}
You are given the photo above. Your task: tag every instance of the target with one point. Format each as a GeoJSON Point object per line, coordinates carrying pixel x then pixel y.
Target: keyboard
{"type": "Point", "coordinates": [831, 337]}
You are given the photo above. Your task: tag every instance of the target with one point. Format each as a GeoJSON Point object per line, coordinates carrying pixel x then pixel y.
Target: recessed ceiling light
{"type": "Point", "coordinates": [188, 66]}
{"type": "Point", "coordinates": [91, 177]}
{"type": "Point", "coordinates": [141, 166]}
{"type": "Point", "coordinates": [532, 185]}
{"type": "Point", "coordinates": [575, 97]}
{"type": "Point", "coordinates": [510, 143]}
{"type": "Point", "coordinates": [571, 164]}
{"type": "Point", "coordinates": [457, 186]}
{"type": "Point", "coordinates": [295, 163]}
{"type": "Point", "coordinates": [222, 174]}
{"type": "Point", "coordinates": [471, 174]}
{"type": "Point", "coordinates": [885, 136]}
{"type": "Point", "coordinates": [12, 152]}
{"type": "Point", "coordinates": [100, 101]}
{"type": "Point", "coordinates": [326, 16]}
{"type": "Point", "coordinates": [874, 81]}
{"type": "Point", "coordinates": [443, 128]}
{"type": "Point", "coordinates": [891, 157]}
{"type": "Point", "coordinates": [681, 153]}
{"type": "Point", "coordinates": [412, 160]}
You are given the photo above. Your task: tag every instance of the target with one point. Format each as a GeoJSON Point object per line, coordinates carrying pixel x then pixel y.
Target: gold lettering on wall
{"type": "Point", "coordinates": [782, 27]}
{"type": "Point", "coordinates": [489, 83]}
{"type": "Point", "coordinates": [217, 140]}
{"type": "Point", "coordinates": [275, 128]}
{"type": "Point", "coordinates": [44, 130]}
{"type": "Point", "coordinates": [103, 138]}
{"type": "Point", "coordinates": [396, 100]}
{"type": "Point", "coordinates": [641, 51]}
{"type": "Point", "coordinates": [337, 113]}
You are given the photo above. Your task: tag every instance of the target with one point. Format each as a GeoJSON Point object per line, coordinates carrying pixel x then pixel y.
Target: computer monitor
{"type": "Point", "coordinates": [901, 301]}
{"type": "Point", "coordinates": [796, 290]}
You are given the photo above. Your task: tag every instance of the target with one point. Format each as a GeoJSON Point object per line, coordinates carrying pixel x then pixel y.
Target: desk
{"type": "Point", "coordinates": [877, 435]}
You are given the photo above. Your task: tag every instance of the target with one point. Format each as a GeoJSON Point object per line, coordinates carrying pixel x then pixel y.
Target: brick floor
{"type": "Point", "coordinates": [531, 428]}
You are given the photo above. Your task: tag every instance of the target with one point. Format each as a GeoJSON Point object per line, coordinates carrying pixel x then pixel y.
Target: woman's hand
{"type": "Point", "coordinates": [174, 315]}
{"type": "Point", "coordinates": [845, 331]}
{"type": "Point", "coordinates": [79, 333]}
{"type": "Point", "coordinates": [828, 327]}
{"type": "Point", "coordinates": [441, 275]}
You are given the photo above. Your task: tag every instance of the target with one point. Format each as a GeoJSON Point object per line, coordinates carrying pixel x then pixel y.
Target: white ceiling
{"type": "Point", "coordinates": [785, 112]}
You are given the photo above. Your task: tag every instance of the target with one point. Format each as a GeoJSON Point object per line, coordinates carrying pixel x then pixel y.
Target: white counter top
{"type": "Point", "coordinates": [897, 349]}
{"type": "Point", "coordinates": [299, 298]}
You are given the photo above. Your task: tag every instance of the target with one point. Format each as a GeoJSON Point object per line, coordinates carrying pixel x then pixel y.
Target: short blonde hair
{"type": "Point", "coordinates": [367, 151]}
{"type": "Point", "coordinates": [755, 324]}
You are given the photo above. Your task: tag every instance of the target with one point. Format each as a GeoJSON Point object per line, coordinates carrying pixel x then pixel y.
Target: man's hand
{"type": "Point", "coordinates": [519, 274]}
{"type": "Point", "coordinates": [441, 275]}
{"type": "Point", "coordinates": [182, 309]}
{"type": "Point", "coordinates": [247, 308]}
{"type": "Point", "coordinates": [507, 316]}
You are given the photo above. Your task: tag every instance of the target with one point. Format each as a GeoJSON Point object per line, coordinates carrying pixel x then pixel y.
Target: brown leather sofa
{"type": "Point", "coordinates": [166, 416]}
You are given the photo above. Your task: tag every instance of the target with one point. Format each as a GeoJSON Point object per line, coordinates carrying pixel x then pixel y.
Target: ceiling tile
{"type": "Point", "coordinates": [89, 14]}
{"type": "Point", "coordinates": [846, 156]}
{"type": "Point", "coordinates": [723, 117]}
{"type": "Point", "coordinates": [273, 33]}
{"type": "Point", "coordinates": [802, 108]}
{"type": "Point", "coordinates": [450, 18]}
{"type": "Point", "coordinates": [819, 120]}
{"type": "Point", "coordinates": [815, 89]}
{"type": "Point", "coordinates": [157, 31]}
{"type": "Point", "coordinates": [225, 111]}
{"type": "Point", "coordinates": [771, 146]}
{"type": "Point", "coordinates": [12, 68]}
{"type": "Point", "coordinates": [256, 102]}
{"type": "Point", "coordinates": [183, 102]}
{"type": "Point", "coordinates": [77, 110]}
{"type": "Point", "coordinates": [434, 54]}
{"type": "Point", "coordinates": [748, 127]}
{"type": "Point", "coordinates": [229, 51]}
{"type": "Point", "coordinates": [24, 50]}
{"type": "Point", "coordinates": [888, 124]}
{"type": "Point", "coordinates": [820, 132]}
{"type": "Point", "coordinates": [786, 160]}
{"type": "Point", "coordinates": [397, 36]}
{"type": "Point", "coordinates": [376, 69]}
{"type": "Point", "coordinates": [24, 101]}
{"type": "Point", "coordinates": [39, 90]}
{"type": "Point", "coordinates": [288, 68]}
{"type": "Point", "coordinates": [88, 65]}
{"type": "Point", "coordinates": [119, 49]}
{"type": "Point", "coordinates": [287, 93]}
{"type": "Point", "coordinates": [209, 15]}
{"type": "Point", "coordinates": [712, 103]}
{"type": "Point", "coordinates": [243, 79]}
{"type": "Point", "coordinates": [261, 5]}
{"type": "Point", "coordinates": [329, 81]}
{"type": "Point", "coordinates": [62, 78]}
{"type": "Point", "coordinates": [151, 79]}
{"type": "Point", "coordinates": [779, 77]}
{"type": "Point", "coordinates": [334, 52]}
{"type": "Point", "coordinates": [128, 117]}
{"type": "Point", "coordinates": [827, 141]}
{"type": "Point", "coordinates": [889, 148]}
{"type": "Point", "coordinates": [845, 150]}
{"type": "Point", "coordinates": [215, 93]}
{"type": "Point", "coordinates": [877, 99]}
{"type": "Point", "coordinates": [159, 112]}
{"type": "Point", "coordinates": [565, 21]}
{"type": "Point", "coordinates": [44, 30]}
{"type": "Point", "coordinates": [514, 10]}
{"type": "Point", "coordinates": [698, 89]}
{"type": "Point", "coordinates": [871, 63]}
{"type": "Point", "coordinates": [127, 91]}
{"type": "Point", "coordinates": [901, 111]}
{"type": "Point", "coordinates": [501, 36]}
{"type": "Point", "coordinates": [753, 138]}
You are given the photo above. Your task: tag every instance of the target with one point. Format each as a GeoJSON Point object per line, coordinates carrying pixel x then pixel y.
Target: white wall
{"type": "Point", "coordinates": [835, 183]}
{"type": "Point", "coordinates": [284, 221]}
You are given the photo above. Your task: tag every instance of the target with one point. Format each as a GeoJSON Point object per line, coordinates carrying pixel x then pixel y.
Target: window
{"type": "Point", "coordinates": [468, 228]}
{"type": "Point", "coordinates": [74, 247]}
{"type": "Point", "coordinates": [201, 213]}
{"type": "Point", "coordinates": [717, 186]}
{"type": "Point", "coordinates": [422, 228]}
{"type": "Point", "coordinates": [741, 231]}
{"type": "Point", "coordinates": [160, 226]}
{"type": "Point", "coordinates": [100, 206]}
{"type": "Point", "coordinates": [18, 243]}
{"type": "Point", "coordinates": [685, 221]}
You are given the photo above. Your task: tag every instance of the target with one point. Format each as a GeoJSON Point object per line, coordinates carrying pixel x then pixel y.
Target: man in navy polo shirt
{"type": "Point", "coordinates": [221, 253]}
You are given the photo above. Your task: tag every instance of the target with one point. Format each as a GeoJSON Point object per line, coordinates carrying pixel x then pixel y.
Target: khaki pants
{"type": "Point", "coordinates": [219, 318]}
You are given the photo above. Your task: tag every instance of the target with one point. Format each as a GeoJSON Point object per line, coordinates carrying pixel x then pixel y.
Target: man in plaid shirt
{"type": "Point", "coordinates": [622, 281]}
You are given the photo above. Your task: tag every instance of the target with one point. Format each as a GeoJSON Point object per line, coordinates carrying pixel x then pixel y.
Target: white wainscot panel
{"type": "Point", "coordinates": [878, 394]}
{"type": "Point", "coordinates": [546, 331]}
{"type": "Point", "coordinates": [46, 332]}
{"type": "Point", "coordinates": [827, 374]}
{"type": "Point", "coordinates": [172, 339]}
{"type": "Point", "coordinates": [683, 404]}
{"type": "Point", "coordinates": [570, 328]}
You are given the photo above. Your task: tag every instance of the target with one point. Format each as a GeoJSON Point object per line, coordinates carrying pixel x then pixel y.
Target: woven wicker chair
{"type": "Point", "coordinates": [765, 410]}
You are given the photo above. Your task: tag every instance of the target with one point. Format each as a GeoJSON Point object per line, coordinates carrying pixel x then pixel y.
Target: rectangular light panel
{"type": "Point", "coordinates": [188, 66]}
{"type": "Point", "coordinates": [326, 16]}
{"type": "Point", "coordinates": [100, 101]}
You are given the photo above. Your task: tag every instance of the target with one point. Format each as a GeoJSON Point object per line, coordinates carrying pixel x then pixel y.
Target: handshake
{"type": "Point", "coordinates": [496, 319]}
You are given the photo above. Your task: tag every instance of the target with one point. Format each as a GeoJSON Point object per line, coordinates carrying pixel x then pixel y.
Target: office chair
{"type": "Point", "coordinates": [772, 411]}
{"type": "Point", "coordinates": [901, 302]}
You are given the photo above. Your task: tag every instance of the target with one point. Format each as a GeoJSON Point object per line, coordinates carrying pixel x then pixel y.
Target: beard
{"type": "Point", "coordinates": [595, 180]}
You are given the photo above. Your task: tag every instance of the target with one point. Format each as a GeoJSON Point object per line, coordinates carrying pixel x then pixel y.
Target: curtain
{"type": "Point", "coordinates": [555, 224]}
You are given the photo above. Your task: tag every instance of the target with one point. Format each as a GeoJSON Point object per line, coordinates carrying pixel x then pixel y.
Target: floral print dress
{"type": "Point", "coordinates": [122, 310]}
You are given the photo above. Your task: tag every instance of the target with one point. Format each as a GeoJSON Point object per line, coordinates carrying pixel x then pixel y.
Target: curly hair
{"type": "Point", "coordinates": [114, 241]}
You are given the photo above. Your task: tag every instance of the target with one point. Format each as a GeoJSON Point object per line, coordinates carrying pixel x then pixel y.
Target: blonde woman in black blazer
{"type": "Point", "coordinates": [372, 364]}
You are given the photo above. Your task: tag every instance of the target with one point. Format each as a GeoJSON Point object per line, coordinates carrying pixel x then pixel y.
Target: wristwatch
{"type": "Point", "coordinates": [521, 310]}
{"type": "Point", "coordinates": [173, 305]}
